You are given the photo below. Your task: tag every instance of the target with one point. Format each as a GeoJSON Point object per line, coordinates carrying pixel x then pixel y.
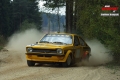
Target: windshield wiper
{"type": "Point", "coordinates": [44, 42]}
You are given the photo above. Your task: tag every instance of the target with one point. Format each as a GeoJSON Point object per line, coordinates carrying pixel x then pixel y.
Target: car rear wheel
{"type": "Point", "coordinates": [68, 62]}
{"type": "Point", "coordinates": [30, 63]}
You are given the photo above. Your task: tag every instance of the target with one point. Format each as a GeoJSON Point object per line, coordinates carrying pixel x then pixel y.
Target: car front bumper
{"type": "Point", "coordinates": [44, 57]}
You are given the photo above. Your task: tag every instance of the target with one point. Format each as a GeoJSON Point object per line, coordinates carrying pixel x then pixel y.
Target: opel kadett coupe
{"type": "Point", "coordinates": [62, 48]}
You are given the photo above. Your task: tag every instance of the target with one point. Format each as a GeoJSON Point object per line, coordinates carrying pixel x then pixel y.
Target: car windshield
{"type": "Point", "coordinates": [57, 38]}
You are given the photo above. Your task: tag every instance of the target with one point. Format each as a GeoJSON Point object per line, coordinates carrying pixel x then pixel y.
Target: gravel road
{"type": "Point", "coordinates": [13, 67]}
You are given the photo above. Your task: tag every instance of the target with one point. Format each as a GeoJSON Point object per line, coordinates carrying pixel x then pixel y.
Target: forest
{"type": "Point", "coordinates": [82, 17]}
{"type": "Point", "coordinates": [15, 15]}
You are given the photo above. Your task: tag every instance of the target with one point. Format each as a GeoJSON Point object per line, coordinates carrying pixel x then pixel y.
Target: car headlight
{"type": "Point", "coordinates": [59, 51]}
{"type": "Point", "coordinates": [29, 49]}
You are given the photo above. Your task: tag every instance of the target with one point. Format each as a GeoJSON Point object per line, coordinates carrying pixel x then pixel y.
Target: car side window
{"type": "Point", "coordinates": [76, 41]}
{"type": "Point", "coordinates": [82, 43]}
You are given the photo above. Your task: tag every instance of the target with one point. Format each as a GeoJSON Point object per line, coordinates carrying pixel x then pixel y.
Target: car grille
{"type": "Point", "coordinates": [44, 50]}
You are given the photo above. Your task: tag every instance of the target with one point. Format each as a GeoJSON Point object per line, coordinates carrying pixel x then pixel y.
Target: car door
{"type": "Point", "coordinates": [77, 49]}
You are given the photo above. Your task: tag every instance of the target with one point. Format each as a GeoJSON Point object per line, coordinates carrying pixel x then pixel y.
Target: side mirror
{"type": "Point", "coordinates": [36, 42]}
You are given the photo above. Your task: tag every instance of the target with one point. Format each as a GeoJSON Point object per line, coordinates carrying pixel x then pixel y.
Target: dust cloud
{"type": "Point", "coordinates": [99, 54]}
{"type": "Point", "coordinates": [19, 40]}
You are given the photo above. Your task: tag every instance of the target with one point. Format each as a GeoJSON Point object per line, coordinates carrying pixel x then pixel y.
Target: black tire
{"type": "Point", "coordinates": [73, 61]}
{"type": "Point", "coordinates": [60, 64]}
{"type": "Point", "coordinates": [68, 62]}
{"type": "Point", "coordinates": [30, 63]}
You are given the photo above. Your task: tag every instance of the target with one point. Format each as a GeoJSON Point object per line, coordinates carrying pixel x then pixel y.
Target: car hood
{"type": "Point", "coordinates": [48, 45]}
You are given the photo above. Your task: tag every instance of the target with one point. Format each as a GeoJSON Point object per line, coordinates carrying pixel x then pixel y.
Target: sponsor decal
{"type": "Point", "coordinates": [110, 8]}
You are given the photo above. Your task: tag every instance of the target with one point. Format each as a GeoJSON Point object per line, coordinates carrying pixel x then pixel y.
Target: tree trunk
{"type": "Point", "coordinates": [58, 20]}
{"type": "Point", "coordinates": [69, 15]}
{"type": "Point", "coordinates": [75, 16]}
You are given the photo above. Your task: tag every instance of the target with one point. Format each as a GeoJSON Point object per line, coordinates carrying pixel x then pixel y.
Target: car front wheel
{"type": "Point", "coordinates": [68, 62]}
{"type": "Point", "coordinates": [30, 63]}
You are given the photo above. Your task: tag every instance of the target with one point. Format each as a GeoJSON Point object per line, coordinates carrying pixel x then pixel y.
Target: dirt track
{"type": "Point", "coordinates": [13, 67]}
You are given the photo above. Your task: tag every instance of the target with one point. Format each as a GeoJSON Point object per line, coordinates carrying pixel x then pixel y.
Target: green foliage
{"type": "Point", "coordinates": [5, 17]}
{"type": "Point", "coordinates": [2, 41]}
{"type": "Point", "coordinates": [54, 3]}
{"type": "Point", "coordinates": [13, 13]}
{"type": "Point", "coordinates": [26, 10]}
{"type": "Point", "coordinates": [1, 47]}
{"type": "Point", "coordinates": [92, 25]}
{"type": "Point", "coordinates": [27, 25]}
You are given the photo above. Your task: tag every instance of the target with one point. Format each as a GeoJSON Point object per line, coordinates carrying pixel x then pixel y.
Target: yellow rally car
{"type": "Point", "coordinates": [62, 48]}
